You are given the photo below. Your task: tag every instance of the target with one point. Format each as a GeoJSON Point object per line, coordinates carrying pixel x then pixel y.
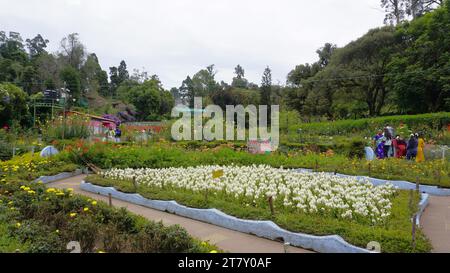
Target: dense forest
{"type": "Point", "coordinates": [401, 68]}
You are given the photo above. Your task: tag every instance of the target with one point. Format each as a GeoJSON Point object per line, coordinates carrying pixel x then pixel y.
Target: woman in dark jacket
{"type": "Point", "coordinates": [411, 150]}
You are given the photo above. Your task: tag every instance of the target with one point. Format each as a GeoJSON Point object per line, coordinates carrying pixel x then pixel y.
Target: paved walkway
{"type": "Point", "coordinates": [226, 239]}
{"type": "Point", "coordinates": [436, 223]}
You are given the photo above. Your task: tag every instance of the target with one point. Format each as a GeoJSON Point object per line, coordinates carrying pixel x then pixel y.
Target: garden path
{"type": "Point", "coordinates": [226, 239]}
{"type": "Point", "coordinates": [436, 223]}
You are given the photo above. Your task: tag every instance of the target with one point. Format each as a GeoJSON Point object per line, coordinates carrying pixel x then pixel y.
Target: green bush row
{"type": "Point", "coordinates": [424, 122]}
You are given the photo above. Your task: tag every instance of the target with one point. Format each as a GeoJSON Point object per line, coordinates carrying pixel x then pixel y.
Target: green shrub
{"type": "Point", "coordinates": [85, 230]}
{"type": "Point", "coordinates": [114, 241]}
{"type": "Point", "coordinates": [40, 238]}
{"type": "Point", "coordinates": [156, 238]}
{"type": "Point", "coordinates": [423, 123]}
{"type": "Point", "coordinates": [34, 218]}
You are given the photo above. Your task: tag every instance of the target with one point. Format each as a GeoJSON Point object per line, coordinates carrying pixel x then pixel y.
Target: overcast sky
{"type": "Point", "coordinates": [176, 38]}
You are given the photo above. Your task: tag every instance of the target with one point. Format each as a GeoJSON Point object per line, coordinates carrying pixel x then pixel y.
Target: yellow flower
{"type": "Point", "coordinates": [18, 225]}
{"type": "Point", "coordinates": [31, 192]}
{"type": "Point", "coordinates": [73, 214]}
{"type": "Point", "coordinates": [213, 251]}
{"type": "Point", "coordinates": [94, 203]}
{"type": "Point", "coordinates": [50, 190]}
{"type": "Point", "coordinates": [57, 231]}
{"type": "Point", "coordinates": [203, 243]}
{"type": "Point", "coordinates": [100, 251]}
{"type": "Point", "coordinates": [40, 182]}
{"type": "Point", "coordinates": [70, 190]}
{"type": "Point", "coordinates": [86, 209]}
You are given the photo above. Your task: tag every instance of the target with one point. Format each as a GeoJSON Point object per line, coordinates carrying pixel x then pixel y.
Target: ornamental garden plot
{"type": "Point", "coordinates": [312, 203]}
{"type": "Point", "coordinates": [39, 219]}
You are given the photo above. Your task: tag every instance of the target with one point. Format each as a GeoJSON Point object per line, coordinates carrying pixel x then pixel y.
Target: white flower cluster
{"type": "Point", "coordinates": [308, 192]}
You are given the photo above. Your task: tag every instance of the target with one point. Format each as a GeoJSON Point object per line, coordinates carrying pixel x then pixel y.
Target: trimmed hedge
{"type": "Point", "coordinates": [425, 122]}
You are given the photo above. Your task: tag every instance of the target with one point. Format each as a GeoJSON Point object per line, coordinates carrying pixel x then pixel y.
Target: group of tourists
{"type": "Point", "coordinates": [113, 135]}
{"type": "Point", "coordinates": [389, 145]}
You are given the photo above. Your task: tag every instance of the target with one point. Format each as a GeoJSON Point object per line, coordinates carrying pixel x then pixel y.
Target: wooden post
{"type": "Point", "coordinates": [272, 211]}
{"type": "Point", "coordinates": [29, 173]}
{"type": "Point", "coordinates": [417, 185]}
{"type": "Point", "coordinates": [335, 171]}
{"type": "Point", "coordinates": [286, 247]}
{"type": "Point", "coordinates": [135, 184]}
{"type": "Point", "coordinates": [110, 199]}
{"type": "Point", "coordinates": [438, 176]}
{"type": "Point", "coordinates": [411, 200]}
{"type": "Point", "coordinates": [414, 231]}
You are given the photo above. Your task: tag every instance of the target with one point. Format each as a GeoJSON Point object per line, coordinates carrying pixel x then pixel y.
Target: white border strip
{"type": "Point", "coordinates": [53, 178]}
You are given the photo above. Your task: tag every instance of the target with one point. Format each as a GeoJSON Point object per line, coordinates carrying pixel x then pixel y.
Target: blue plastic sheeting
{"type": "Point", "coordinates": [370, 154]}
{"type": "Point", "coordinates": [425, 200]}
{"type": "Point", "coordinates": [53, 178]}
{"type": "Point", "coordinates": [49, 151]}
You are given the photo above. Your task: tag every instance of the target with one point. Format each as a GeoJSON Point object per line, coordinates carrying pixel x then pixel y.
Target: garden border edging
{"type": "Point", "coordinates": [264, 229]}
{"type": "Point", "coordinates": [60, 176]}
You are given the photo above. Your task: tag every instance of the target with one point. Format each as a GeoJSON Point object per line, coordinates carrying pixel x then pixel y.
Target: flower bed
{"type": "Point", "coordinates": [308, 193]}
{"type": "Point", "coordinates": [315, 204]}
{"type": "Point", "coordinates": [435, 172]}
{"type": "Point", "coordinates": [29, 167]}
{"type": "Point", "coordinates": [37, 219]}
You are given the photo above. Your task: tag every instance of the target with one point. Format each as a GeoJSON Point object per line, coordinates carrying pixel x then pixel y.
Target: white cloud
{"type": "Point", "coordinates": [176, 38]}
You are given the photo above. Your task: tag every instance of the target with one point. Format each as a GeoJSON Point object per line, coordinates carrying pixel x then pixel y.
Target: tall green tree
{"type": "Point", "coordinates": [363, 65]}
{"type": "Point", "coordinates": [266, 87]}
{"type": "Point", "coordinates": [187, 91]}
{"type": "Point", "coordinates": [396, 11]}
{"type": "Point", "coordinates": [420, 75]}
{"type": "Point", "coordinates": [37, 45]}
{"type": "Point", "coordinates": [325, 54]}
{"type": "Point", "coordinates": [13, 105]}
{"type": "Point", "coordinates": [73, 52]}
{"type": "Point", "coordinates": [93, 78]}
{"type": "Point", "coordinates": [71, 79]}
{"type": "Point", "coordinates": [151, 100]}
{"type": "Point", "coordinates": [202, 84]}
{"type": "Point", "coordinates": [122, 72]}
{"type": "Point", "coordinates": [239, 81]}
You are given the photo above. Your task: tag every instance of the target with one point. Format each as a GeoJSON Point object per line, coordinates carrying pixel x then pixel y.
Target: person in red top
{"type": "Point", "coordinates": [400, 147]}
